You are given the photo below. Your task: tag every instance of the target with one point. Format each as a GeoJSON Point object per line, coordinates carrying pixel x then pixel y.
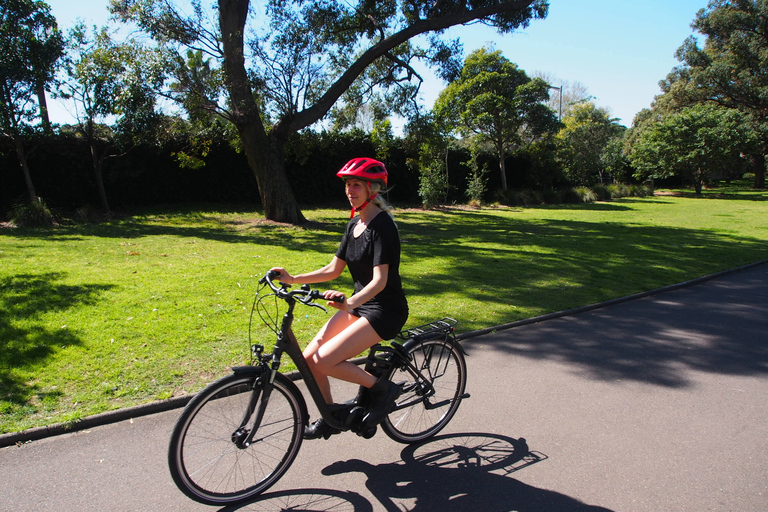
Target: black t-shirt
{"type": "Point", "coordinates": [379, 244]}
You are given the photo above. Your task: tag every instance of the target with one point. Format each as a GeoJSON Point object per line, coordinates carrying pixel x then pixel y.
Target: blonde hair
{"type": "Point", "coordinates": [379, 200]}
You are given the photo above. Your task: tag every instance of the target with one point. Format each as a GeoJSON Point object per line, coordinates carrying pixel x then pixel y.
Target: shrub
{"type": "Point", "coordinates": [477, 184]}
{"type": "Point", "coordinates": [622, 190]}
{"type": "Point", "coordinates": [640, 190]}
{"type": "Point", "coordinates": [602, 193]}
{"type": "Point", "coordinates": [580, 195]}
{"type": "Point", "coordinates": [433, 185]}
{"type": "Point", "coordinates": [523, 197]}
{"type": "Point", "coordinates": [34, 214]}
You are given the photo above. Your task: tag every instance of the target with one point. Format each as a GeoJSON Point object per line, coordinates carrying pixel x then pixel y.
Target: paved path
{"type": "Point", "coordinates": [658, 404]}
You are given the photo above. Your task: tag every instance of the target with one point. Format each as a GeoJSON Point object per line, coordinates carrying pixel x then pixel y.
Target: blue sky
{"type": "Point", "coordinates": [618, 49]}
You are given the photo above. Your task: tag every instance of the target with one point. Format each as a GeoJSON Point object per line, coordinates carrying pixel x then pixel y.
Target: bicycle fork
{"type": "Point", "coordinates": [261, 390]}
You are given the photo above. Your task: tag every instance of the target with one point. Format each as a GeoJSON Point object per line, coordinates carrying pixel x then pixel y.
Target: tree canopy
{"type": "Point", "coordinates": [30, 45]}
{"type": "Point", "coordinates": [582, 142]}
{"type": "Point", "coordinates": [729, 69]}
{"type": "Point", "coordinates": [498, 103]}
{"type": "Point", "coordinates": [105, 80]}
{"type": "Point", "coordinates": [693, 143]}
{"type": "Point", "coordinates": [286, 64]}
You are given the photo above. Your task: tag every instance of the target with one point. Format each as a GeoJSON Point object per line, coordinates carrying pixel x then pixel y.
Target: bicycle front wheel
{"type": "Point", "coordinates": [206, 461]}
{"type": "Point", "coordinates": [430, 397]}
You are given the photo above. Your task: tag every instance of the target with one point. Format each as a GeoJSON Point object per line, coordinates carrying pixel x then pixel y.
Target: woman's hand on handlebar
{"type": "Point", "coordinates": [283, 275]}
{"type": "Point", "coordinates": [336, 300]}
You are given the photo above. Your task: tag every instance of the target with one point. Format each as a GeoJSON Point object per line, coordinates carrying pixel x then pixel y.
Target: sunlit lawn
{"type": "Point", "coordinates": [98, 317]}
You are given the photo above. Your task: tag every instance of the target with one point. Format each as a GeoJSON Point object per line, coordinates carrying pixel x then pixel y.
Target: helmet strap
{"type": "Point", "coordinates": [360, 208]}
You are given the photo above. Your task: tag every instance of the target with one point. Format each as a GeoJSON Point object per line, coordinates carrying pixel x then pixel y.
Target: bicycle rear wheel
{"type": "Point", "coordinates": [205, 462]}
{"type": "Point", "coordinates": [427, 404]}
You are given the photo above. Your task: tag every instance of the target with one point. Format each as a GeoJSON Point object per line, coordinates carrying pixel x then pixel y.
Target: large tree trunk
{"type": "Point", "coordinates": [97, 171]}
{"type": "Point", "coordinates": [264, 152]}
{"type": "Point", "coordinates": [22, 156]}
{"type": "Point", "coordinates": [502, 167]}
{"type": "Point", "coordinates": [266, 159]}
{"type": "Point", "coordinates": [698, 181]}
{"type": "Point", "coordinates": [758, 167]}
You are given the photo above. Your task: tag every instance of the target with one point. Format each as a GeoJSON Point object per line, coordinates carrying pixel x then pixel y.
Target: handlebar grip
{"type": "Point", "coordinates": [339, 299]}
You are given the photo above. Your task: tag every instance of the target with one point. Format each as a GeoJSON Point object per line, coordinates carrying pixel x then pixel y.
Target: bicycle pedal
{"type": "Point", "coordinates": [367, 432]}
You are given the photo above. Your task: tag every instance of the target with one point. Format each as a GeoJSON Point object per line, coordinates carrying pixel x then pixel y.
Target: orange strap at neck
{"type": "Point", "coordinates": [355, 210]}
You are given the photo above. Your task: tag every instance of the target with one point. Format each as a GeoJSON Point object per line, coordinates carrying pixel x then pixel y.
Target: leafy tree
{"type": "Point", "coordinates": [30, 46]}
{"type": "Point", "coordinates": [497, 103]}
{"type": "Point", "coordinates": [108, 80]}
{"type": "Point", "coordinates": [691, 143]}
{"type": "Point", "coordinates": [615, 161]}
{"type": "Point", "coordinates": [305, 56]}
{"type": "Point", "coordinates": [583, 140]}
{"type": "Point", "coordinates": [428, 137]}
{"type": "Point", "coordinates": [730, 68]}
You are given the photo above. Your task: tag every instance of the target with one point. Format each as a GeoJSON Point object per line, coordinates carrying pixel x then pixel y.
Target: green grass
{"type": "Point", "coordinates": [98, 317]}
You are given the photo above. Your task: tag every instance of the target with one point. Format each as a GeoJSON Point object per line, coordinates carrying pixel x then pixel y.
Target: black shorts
{"type": "Point", "coordinates": [387, 322]}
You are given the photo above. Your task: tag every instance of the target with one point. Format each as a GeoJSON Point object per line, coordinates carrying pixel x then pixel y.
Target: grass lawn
{"type": "Point", "coordinates": [99, 317]}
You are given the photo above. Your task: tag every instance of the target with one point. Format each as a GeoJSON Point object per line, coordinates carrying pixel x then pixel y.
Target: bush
{"type": "Point", "coordinates": [523, 197]}
{"type": "Point", "coordinates": [579, 195]}
{"type": "Point", "coordinates": [433, 185]}
{"type": "Point", "coordinates": [640, 190]}
{"type": "Point", "coordinates": [618, 190]}
{"type": "Point", "coordinates": [34, 214]}
{"type": "Point", "coordinates": [603, 193]}
{"type": "Point", "coordinates": [476, 185]}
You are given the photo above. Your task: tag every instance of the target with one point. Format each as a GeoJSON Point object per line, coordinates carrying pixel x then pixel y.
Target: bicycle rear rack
{"type": "Point", "coordinates": [438, 327]}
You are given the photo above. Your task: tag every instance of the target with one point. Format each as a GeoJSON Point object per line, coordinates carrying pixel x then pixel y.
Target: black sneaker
{"type": "Point", "coordinates": [383, 396]}
{"type": "Point", "coordinates": [319, 428]}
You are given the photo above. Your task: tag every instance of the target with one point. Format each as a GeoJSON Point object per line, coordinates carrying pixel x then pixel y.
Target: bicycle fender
{"type": "Point", "coordinates": [447, 338]}
{"type": "Point", "coordinates": [256, 370]}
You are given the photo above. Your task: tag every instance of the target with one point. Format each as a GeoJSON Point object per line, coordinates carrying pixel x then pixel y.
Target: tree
{"type": "Point", "coordinates": [306, 55]}
{"type": "Point", "coordinates": [30, 45]}
{"type": "Point", "coordinates": [498, 103]}
{"type": "Point", "coordinates": [583, 140]}
{"type": "Point", "coordinates": [108, 80]}
{"type": "Point", "coordinates": [730, 69]}
{"type": "Point", "coordinates": [690, 143]}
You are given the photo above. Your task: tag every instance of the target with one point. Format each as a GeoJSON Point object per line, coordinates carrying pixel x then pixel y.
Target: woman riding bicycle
{"type": "Point", "coordinates": [377, 310]}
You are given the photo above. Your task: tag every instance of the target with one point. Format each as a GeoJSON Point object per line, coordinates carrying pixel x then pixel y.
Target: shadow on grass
{"type": "Point", "coordinates": [321, 235]}
{"type": "Point", "coordinates": [756, 195]}
{"type": "Point", "coordinates": [517, 267]}
{"type": "Point", "coordinates": [24, 342]}
{"type": "Point", "coordinates": [548, 266]}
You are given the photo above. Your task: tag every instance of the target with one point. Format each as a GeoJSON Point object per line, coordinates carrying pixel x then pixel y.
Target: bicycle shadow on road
{"type": "Point", "coordinates": [457, 472]}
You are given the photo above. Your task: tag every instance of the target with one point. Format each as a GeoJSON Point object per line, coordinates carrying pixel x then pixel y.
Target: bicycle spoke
{"type": "Point", "coordinates": [432, 393]}
{"type": "Point", "coordinates": [207, 464]}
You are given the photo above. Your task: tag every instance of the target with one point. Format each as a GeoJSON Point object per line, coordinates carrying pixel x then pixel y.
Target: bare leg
{"type": "Point", "coordinates": [344, 336]}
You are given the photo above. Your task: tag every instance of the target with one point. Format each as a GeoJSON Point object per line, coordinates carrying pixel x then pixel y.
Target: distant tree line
{"type": "Point", "coordinates": [200, 114]}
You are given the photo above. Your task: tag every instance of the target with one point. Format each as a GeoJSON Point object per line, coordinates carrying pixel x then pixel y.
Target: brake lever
{"type": "Point", "coordinates": [315, 305]}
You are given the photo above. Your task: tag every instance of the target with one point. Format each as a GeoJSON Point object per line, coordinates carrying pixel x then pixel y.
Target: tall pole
{"type": "Point", "coordinates": [560, 112]}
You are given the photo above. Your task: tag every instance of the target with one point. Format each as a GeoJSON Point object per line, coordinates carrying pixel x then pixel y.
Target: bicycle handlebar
{"type": "Point", "coordinates": [303, 294]}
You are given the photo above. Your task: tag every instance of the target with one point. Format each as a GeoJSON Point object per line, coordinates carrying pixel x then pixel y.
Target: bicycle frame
{"type": "Point", "coordinates": [271, 412]}
{"type": "Point", "coordinates": [286, 343]}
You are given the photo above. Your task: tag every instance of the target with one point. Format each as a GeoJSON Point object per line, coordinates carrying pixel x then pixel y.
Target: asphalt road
{"type": "Point", "coordinates": [657, 404]}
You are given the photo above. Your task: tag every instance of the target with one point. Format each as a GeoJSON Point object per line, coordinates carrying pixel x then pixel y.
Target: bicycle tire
{"type": "Point", "coordinates": [442, 362]}
{"type": "Point", "coordinates": [204, 461]}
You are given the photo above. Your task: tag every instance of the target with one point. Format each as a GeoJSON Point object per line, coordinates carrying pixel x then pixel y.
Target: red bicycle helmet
{"type": "Point", "coordinates": [366, 169]}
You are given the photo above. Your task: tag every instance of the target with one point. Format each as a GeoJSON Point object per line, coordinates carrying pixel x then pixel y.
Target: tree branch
{"type": "Point", "coordinates": [316, 112]}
